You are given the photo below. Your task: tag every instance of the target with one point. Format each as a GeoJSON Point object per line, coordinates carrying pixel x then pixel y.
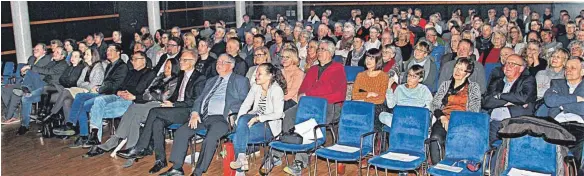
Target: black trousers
{"type": "Point", "coordinates": [216, 125]}
{"type": "Point", "coordinates": [439, 133]}
{"type": "Point", "coordinates": [578, 131]}
{"type": "Point", "coordinates": [158, 119]}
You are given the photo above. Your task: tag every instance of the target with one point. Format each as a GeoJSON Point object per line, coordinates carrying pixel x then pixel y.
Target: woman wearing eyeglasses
{"type": "Point", "coordinates": [293, 75]}
{"type": "Point", "coordinates": [371, 84]}
{"type": "Point", "coordinates": [456, 94]}
{"type": "Point", "coordinates": [260, 56]}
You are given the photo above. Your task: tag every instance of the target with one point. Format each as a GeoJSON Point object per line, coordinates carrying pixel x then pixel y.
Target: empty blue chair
{"type": "Point", "coordinates": [531, 154]}
{"type": "Point", "coordinates": [351, 72]}
{"type": "Point", "coordinates": [338, 59]}
{"type": "Point", "coordinates": [463, 128]}
{"type": "Point", "coordinates": [8, 72]}
{"type": "Point", "coordinates": [355, 130]}
{"type": "Point", "coordinates": [407, 136]}
{"type": "Point", "coordinates": [308, 108]}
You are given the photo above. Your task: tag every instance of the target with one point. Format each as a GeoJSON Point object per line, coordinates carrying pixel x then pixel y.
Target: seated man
{"type": "Point", "coordinates": [46, 76]}
{"type": "Point", "coordinates": [115, 74]}
{"type": "Point", "coordinates": [39, 58]}
{"type": "Point", "coordinates": [189, 85]}
{"type": "Point", "coordinates": [465, 49]}
{"type": "Point", "coordinates": [328, 81]}
{"type": "Point", "coordinates": [131, 90]}
{"type": "Point", "coordinates": [511, 96]}
{"type": "Point", "coordinates": [565, 98]}
{"type": "Point", "coordinates": [222, 95]}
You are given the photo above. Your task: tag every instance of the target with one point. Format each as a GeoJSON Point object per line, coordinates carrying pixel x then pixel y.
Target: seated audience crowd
{"type": "Point", "coordinates": [249, 80]}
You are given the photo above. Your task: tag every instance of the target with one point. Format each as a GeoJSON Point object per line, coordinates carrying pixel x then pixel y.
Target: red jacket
{"type": "Point", "coordinates": [332, 84]}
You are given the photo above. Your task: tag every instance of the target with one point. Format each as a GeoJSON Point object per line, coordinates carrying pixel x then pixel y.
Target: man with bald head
{"type": "Point", "coordinates": [497, 72]}
{"type": "Point", "coordinates": [322, 33]}
{"type": "Point", "coordinates": [513, 95]}
{"type": "Point", "coordinates": [565, 97]}
{"type": "Point", "coordinates": [232, 49]}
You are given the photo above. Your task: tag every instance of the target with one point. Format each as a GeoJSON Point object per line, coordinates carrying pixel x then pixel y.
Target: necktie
{"type": "Point", "coordinates": [206, 103]}
{"type": "Point", "coordinates": [181, 91]}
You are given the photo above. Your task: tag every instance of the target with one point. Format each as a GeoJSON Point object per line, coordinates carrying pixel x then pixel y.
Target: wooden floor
{"type": "Point", "coordinates": [32, 155]}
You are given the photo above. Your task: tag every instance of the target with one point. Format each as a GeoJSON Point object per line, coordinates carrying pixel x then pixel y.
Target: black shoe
{"type": "Point", "coordinates": [21, 131]}
{"type": "Point", "coordinates": [79, 142]}
{"type": "Point", "coordinates": [173, 172]}
{"type": "Point", "coordinates": [130, 153]}
{"type": "Point", "coordinates": [93, 140]}
{"type": "Point", "coordinates": [94, 151]}
{"type": "Point", "coordinates": [158, 165]}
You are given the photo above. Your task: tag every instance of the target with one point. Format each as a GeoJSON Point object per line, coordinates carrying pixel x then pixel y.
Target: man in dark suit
{"type": "Point", "coordinates": [173, 50]}
{"type": "Point", "coordinates": [115, 74]}
{"type": "Point", "coordinates": [218, 44]}
{"type": "Point", "coordinates": [189, 87]}
{"type": "Point", "coordinates": [222, 95]}
{"type": "Point", "coordinates": [511, 96]}
{"type": "Point", "coordinates": [565, 98]}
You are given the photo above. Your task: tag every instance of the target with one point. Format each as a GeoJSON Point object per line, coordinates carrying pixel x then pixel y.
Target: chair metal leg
{"type": "Point", "coordinates": [337, 169]}
{"type": "Point", "coordinates": [315, 163]}
{"type": "Point", "coordinates": [368, 165]}
{"type": "Point", "coordinates": [376, 172]}
{"type": "Point", "coordinates": [329, 166]}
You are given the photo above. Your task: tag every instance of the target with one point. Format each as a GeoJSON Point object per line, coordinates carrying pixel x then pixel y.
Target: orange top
{"type": "Point", "coordinates": [377, 84]}
{"type": "Point", "coordinates": [456, 102]}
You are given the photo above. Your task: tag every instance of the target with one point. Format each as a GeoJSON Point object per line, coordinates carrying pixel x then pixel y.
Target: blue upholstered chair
{"type": "Point", "coordinates": [351, 72]}
{"type": "Point", "coordinates": [489, 68]}
{"type": "Point", "coordinates": [531, 154]}
{"type": "Point", "coordinates": [8, 72]}
{"type": "Point", "coordinates": [308, 108]}
{"type": "Point", "coordinates": [355, 130]}
{"type": "Point", "coordinates": [467, 139]}
{"type": "Point", "coordinates": [17, 75]}
{"type": "Point", "coordinates": [408, 133]}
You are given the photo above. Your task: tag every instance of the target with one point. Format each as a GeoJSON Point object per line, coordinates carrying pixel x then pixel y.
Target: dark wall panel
{"type": "Point", "coordinates": [197, 17]}
{"type": "Point", "coordinates": [48, 10]}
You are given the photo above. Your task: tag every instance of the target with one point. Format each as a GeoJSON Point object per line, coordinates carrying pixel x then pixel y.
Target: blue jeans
{"type": "Point", "coordinates": [35, 96]}
{"type": "Point", "coordinates": [244, 134]}
{"type": "Point", "coordinates": [107, 106]}
{"type": "Point", "coordinates": [81, 105]}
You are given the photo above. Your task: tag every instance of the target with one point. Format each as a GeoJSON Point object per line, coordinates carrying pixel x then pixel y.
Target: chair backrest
{"type": "Point", "coordinates": [533, 154]}
{"type": "Point", "coordinates": [409, 128]}
{"type": "Point", "coordinates": [489, 68]}
{"type": "Point", "coordinates": [338, 59]}
{"type": "Point", "coordinates": [312, 107]}
{"type": "Point", "coordinates": [356, 119]}
{"type": "Point", "coordinates": [464, 127]}
{"type": "Point", "coordinates": [8, 69]}
{"type": "Point", "coordinates": [352, 71]}
{"type": "Point", "coordinates": [7, 72]}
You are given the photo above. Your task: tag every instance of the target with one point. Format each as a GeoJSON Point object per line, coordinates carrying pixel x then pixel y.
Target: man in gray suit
{"type": "Point", "coordinates": [222, 96]}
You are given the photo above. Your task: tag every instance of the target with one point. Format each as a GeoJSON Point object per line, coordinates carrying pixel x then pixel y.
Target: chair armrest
{"type": "Point", "coordinates": [314, 133]}
{"type": "Point", "coordinates": [234, 115]}
{"type": "Point", "coordinates": [374, 133]}
{"type": "Point", "coordinates": [487, 158]}
{"type": "Point", "coordinates": [570, 161]}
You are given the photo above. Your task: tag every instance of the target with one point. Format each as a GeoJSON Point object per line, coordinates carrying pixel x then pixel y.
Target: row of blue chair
{"type": "Point", "coordinates": [10, 75]}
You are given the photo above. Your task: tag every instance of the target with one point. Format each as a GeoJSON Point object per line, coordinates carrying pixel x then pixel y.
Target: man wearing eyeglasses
{"type": "Point", "coordinates": [221, 97]}
{"type": "Point", "coordinates": [465, 49]}
{"type": "Point", "coordinates": [173, 49]}
{"type": "Point", "coordinates": [565, 97]}
{"type": "Point", "coordinates": [511, 96]}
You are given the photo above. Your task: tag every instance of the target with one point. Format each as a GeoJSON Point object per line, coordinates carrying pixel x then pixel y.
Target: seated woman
{"type": "Point", "coordinates": [265, 101]}
{"type": "Point", "coordinates": [554, 71]}
{"type": "Point", "coordinates": [456, 94]}
{"type": "Point", "coordinates": [260, 56]}
{"type": "Point", "coordinates": [411, 93]}
{"type": "Point", "coordinates": [532, 55]}
{"type": "Point", "coordinates": [392, 64]}
{"type": "Point", "coordinates": [356, 57]}
{"type": "Point", "coordinates": [371, 84]}
{"type": "Point", "coordinates": [161, 89]}
{"type": "Point", "coordinates": [73, 77]}
{"type": "Point", "coordinates": [293, 75]}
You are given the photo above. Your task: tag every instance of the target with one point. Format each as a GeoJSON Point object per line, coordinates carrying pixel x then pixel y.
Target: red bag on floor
{"type": "Point", "coordinates": [228, 155]}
